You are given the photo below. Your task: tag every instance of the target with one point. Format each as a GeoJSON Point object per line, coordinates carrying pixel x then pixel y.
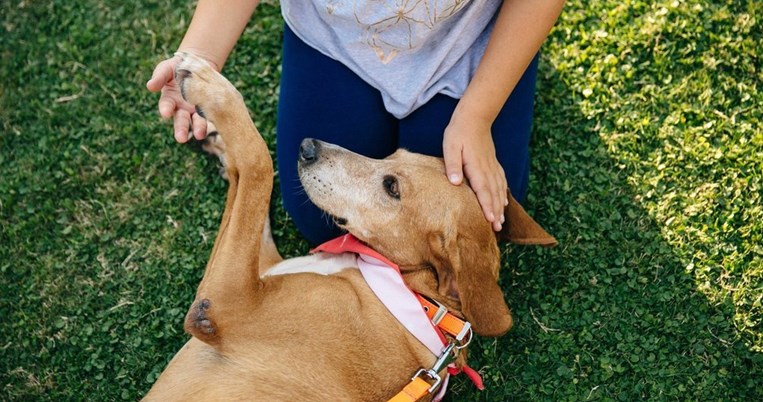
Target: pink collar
{"type": "Point", "coordinates": [384, 278]}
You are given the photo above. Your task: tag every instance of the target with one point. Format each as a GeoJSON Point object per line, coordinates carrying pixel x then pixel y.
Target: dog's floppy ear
{"type": "Point", "coordinates": [520, 228]}
{"type": "Point", "coordinates": [467, 270]}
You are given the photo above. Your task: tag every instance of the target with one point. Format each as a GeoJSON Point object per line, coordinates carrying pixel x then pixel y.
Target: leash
{"type": "Point", "coordinates": [426, 381]}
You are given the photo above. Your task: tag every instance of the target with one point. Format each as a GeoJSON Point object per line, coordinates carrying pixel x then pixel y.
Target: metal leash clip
{"type": "Point", "coordinates": [448, 355]}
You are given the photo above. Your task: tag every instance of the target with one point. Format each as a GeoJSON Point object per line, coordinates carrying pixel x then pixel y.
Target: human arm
{"type": "Point", "coordinates": [520, 29]}
{"type": "Point", "coordinates": [212, 34]}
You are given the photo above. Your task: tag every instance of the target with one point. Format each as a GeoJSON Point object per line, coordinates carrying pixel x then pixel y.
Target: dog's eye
{"type": "Point", "coordinates": [391, 187]}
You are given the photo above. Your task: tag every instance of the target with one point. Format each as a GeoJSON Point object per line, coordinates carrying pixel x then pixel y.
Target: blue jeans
{"type": "Point", "coordinates": [323, 99]}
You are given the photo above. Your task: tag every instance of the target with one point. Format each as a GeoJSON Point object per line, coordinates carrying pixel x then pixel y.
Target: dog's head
{"type": "Point", "coordinates": [404, 207]}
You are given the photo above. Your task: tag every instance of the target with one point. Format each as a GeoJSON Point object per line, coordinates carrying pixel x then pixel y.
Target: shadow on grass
{"type": "Point", "coordinates": [611, 313]}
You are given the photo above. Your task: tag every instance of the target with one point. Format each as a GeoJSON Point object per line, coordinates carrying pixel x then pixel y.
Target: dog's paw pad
{"type": "Point", "coordinates": [215, 145]}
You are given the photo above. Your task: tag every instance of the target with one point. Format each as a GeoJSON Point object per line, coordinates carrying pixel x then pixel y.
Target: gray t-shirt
{"type": "Point", "coordinates": [410, 50]}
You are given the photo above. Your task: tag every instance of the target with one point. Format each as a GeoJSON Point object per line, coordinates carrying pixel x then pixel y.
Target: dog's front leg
{"type": "Point", "coordinates": [229, 287]}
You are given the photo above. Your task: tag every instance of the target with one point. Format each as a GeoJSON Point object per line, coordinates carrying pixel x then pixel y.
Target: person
{"type": "Point", "coordinates": [453, 79]}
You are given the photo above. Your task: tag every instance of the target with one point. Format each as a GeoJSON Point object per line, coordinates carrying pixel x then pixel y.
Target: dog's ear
{"type": "Point", "coordinates": [467, 270]}
{"type": "Point", "coordinates": [520, 228]}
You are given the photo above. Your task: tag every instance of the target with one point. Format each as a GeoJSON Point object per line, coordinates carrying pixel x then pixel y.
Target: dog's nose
{"type": "Point", "coordinates": [308, 150]}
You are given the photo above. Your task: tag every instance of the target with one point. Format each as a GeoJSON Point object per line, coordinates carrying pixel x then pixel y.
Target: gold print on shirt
{"type": "Point", "coordinates": [389, 27]}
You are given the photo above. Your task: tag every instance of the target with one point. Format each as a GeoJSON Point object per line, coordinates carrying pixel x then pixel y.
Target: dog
{"type": "Point", "coordinates": [312, 327]}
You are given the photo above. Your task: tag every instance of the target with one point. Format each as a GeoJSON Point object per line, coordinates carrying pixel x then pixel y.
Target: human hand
{"type": "Point", "coordinates": [172, 104]}
{"type": "Point", "coordinates": [468, 150]}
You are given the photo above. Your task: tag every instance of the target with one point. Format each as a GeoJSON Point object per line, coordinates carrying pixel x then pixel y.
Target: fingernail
{"type": "Point", "coordinates": [491, 217]}
{"type": "Point", "coordinates": [506, 202]}
{"type": "Point", "coordinates": [503, 219]}
{"type": "Point", "coordinates": [454, 178]}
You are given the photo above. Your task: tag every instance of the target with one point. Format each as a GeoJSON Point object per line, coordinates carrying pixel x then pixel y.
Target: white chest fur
{"type": "Point", "coordinates": [318, 263]}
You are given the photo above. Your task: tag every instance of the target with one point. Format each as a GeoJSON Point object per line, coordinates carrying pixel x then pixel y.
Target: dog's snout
{"type": "Point", "coordinates": [308, 150]}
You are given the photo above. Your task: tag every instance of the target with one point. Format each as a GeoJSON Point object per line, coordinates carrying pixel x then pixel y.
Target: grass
{"type": "Point", "coordinates": [648, 167]}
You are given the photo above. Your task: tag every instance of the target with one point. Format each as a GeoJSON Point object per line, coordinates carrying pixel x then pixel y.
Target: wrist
{"type": "Point", "coordinates": [206, 56]}
{"type": "Point", "coordinates": [465, 115]}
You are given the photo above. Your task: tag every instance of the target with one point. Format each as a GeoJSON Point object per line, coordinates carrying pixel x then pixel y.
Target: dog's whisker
{"type": "Point", "coordinates": [300, 191]}
{"type": "Point", "coordinates": [305, 202]}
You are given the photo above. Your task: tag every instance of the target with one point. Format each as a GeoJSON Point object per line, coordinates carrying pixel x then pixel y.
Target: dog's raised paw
{"type": "Point", "coordinates": [202, 86]}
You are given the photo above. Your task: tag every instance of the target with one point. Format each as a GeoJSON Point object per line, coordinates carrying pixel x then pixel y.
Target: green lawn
{"type": "Point", "coordinates": [647, 167]}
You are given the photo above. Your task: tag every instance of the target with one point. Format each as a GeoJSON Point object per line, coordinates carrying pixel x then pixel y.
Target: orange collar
{"type": "Point", "coordinates": [445, 320]}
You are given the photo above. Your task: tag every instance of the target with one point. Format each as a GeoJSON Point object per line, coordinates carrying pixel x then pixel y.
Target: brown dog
{"type": "Point", "coordinates": [310, 328]}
